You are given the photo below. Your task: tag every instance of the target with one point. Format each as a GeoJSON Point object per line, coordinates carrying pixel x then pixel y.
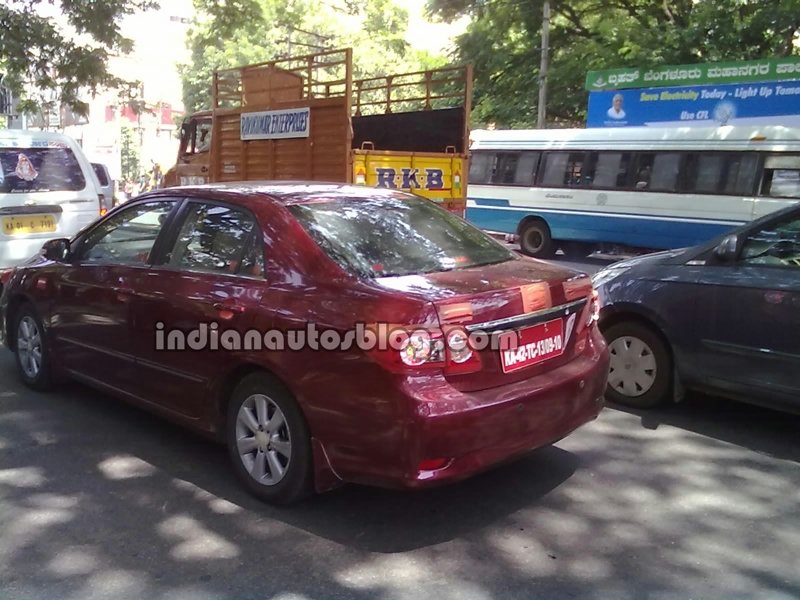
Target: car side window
{"type": "Point", "coordinates": [127, 237]}
{"type": "Point", "coordinates": [776, 245]}
{"type": "Point", "coordinates": [217, 239]}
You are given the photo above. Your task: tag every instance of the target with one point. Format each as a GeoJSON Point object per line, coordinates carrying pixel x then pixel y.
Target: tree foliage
{"type": "Point", "coordinates": [130, 160]}
{"type": "Point", "coordinates": [503, 42]}
{"type": "Point", "coordinates": [49, 62]}
{"type": "Point", "coordinates": [238, 32]}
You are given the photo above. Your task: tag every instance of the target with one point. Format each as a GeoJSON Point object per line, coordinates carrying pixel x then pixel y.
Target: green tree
{"type": "Point", "coordinates": [241, 32]}
{"type": "Point", "coordinates": [129, 151]}
{"type": "Point", "coordinates": [48, 63]}
{"type": "Point", "coordinates": [503, 41]}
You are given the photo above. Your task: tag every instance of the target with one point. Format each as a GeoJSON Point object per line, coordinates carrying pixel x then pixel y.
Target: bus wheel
{"type": "Point", "coordinates": [535, 240]}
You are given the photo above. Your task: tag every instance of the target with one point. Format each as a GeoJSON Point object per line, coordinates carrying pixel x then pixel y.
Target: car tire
{"type": "Point", "coordinates": [31, 349]}
{"type": "Point", "coordinates": [535, 239]}
{"type": "Point", "coordinates": [268, 441]}
{"type": "Point", "coordinates": [640, 373]}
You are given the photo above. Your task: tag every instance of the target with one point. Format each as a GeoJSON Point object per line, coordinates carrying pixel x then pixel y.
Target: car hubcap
{"type": "Point", "coordinates": [263, 440]}
{"type": "Point", "coordinates": [633, 366]}
{"type": "Point", "coordinates": [29, 347]}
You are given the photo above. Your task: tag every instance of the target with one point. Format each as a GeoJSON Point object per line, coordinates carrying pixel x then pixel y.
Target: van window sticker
{"type": "Point", "coordinates": [25, 168]}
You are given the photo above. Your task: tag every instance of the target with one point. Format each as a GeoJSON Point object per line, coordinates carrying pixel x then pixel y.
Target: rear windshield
{"type": "Point", "coordinates": [25, 170]}
{"type": "Point", "coordinates": [101, 174]}
{"type": "Point", "coordinates": [400, 235]}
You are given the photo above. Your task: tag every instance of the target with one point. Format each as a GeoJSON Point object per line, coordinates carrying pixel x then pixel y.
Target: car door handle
{"type": "Point", "coordinates": [228, 310]}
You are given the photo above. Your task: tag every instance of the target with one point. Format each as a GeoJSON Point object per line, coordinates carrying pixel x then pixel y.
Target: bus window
{"type": "Point", "coordinates": [729, 173]}
{"type": "Point", "coordinates": [742, 174]}
{"type": "Point", "coordinates": [708, 173]}
{"type": "Point", "coordinates": [526, 168]}
{"type": "Point", "coordinates": [563, 169]}
{"type": "Point", "coordinates": [611, 169]}
{"type": "Point", "coordinates": [658, 172]}
{"type": "Point", "coordinates": [782, 177]}
{"type": "Point", "coordinates": [506, 168]}
{"type": "Point", "coordinates": [481, 166]}
{"type": "Point", "coordinates": [784, 183]}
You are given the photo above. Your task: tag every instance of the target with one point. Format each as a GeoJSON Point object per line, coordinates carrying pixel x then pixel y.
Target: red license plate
{"type": "Point", "coordinates": [535, 345]}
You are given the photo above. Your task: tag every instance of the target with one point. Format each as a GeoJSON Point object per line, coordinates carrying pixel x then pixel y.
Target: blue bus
{"type": "Point", "coordinates": [637, 188]}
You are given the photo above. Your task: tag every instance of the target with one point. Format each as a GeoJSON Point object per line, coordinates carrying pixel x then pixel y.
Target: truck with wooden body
{"type": "Point", "coordinates": [306, 118]}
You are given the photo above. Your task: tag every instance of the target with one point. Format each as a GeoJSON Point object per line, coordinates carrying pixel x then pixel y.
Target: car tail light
{"type": "Point", "coordinates": [408, 349]}
{"type": "Point", "coordinates": [458, 347]}
{"type": "Point", "coordinates": [461, 356]}
{"type": "Point", "coordinates": [422, 348]}
{"type": "Point", "coordinates": [426, 348]}
{"type": "Point", "coordinates": [577, 287]}
{"type": "Point", "coordinates": [101, 201]}
{"type": "Point", "coordinates": [594, 308]}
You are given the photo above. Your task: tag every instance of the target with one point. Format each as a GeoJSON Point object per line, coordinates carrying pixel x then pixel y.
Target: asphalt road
{"type": "Point", "coordinates": [587, 265]}
{"type": "Point", "coordinates": [101, 500]}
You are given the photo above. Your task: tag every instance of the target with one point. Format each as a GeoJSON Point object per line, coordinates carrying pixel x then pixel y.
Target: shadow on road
{"type": "Point", "coordinates": [366, 519]}
{"type": "Point", "coordinates": [389, 521]}
{"type": "Point", "coordinates": [99, 499]}
{"type": "Point", "coordinates": [754, 427]}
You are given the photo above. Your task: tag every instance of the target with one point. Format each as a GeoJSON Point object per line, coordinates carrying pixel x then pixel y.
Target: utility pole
{"type": "Point", "coordinates": [543, 66]}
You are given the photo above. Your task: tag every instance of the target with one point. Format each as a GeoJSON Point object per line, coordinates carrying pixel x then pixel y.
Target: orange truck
{"type": "Point", "coordinates": [306, 118]}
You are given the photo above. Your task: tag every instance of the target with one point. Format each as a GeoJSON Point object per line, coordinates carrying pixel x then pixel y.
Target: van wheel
{"type": "Point", "coordinates": [535, 239]}
{"type": "Point", "coordinates": [268, 441]}
{"type": "Point", "coordinates": [641, 366]}
{"type": "Point", "coordinates": [31, 349]}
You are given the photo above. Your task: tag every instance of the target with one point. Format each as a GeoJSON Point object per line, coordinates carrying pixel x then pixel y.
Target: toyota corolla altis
{"type": "Point", "coordinates": [326, 333]}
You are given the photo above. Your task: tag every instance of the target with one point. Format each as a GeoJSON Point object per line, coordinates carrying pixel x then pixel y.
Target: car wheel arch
{"type": "Point", "coordinates": [228, 384]}
{"type": "Point", "coordinates": [619, 314]}
{"type": "Point", "coordinates": [16, 302]}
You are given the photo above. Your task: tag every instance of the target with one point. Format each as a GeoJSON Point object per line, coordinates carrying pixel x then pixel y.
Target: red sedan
{"type": "Point", "coordinates": [326, 333]}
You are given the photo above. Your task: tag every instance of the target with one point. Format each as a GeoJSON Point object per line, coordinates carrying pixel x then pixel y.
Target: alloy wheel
{"type": "Point", "coordinates": [29, 347]}
{"type": "Point", "coordinates": [263, 441]}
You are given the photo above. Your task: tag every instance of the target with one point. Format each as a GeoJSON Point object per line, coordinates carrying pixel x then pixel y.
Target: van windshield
{"type": "Point", "coordinates": [26, 170]}
{"type": "Point", "coordinates": [387, 236]}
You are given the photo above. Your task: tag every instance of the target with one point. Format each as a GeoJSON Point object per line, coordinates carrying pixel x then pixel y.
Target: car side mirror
{"type": "Point", "coordinates": [56, 250]}
{"type": "Point", "coordinates": [727, 250]}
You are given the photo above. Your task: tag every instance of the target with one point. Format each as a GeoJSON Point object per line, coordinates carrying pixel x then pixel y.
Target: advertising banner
{"type": "Point", "coordinates": [770, 69]}
{"type": "Point", "coordinates": [276, 124]}
{"type": "Point", "coordinates": [710, 105]}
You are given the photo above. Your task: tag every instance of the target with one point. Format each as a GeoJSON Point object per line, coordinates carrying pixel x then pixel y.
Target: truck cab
{"type": "Point", "coordinates": [193, 153]}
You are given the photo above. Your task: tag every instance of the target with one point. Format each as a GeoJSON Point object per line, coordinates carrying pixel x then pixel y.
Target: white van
{"type": "Point", "coordinates": [48, 190]}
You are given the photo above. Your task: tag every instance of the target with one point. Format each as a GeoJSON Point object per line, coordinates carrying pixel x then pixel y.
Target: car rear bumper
{"type": "Point", "coordinates": [473, 431]}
